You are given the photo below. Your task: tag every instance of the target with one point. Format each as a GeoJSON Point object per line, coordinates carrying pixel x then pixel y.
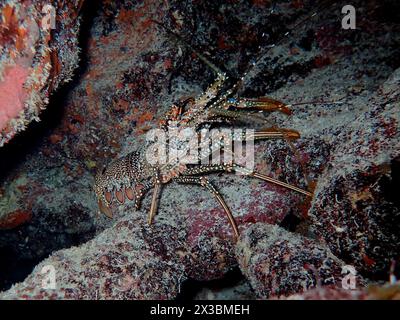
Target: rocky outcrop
{"type": "Point", "coordinates": [39, 51]}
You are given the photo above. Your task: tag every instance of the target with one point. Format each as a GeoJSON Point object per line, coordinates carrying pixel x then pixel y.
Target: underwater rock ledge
{"type": "Point", "coordinates": [127, 261]}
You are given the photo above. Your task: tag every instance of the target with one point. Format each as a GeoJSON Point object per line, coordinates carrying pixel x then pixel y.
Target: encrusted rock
{"type": "Point", "coordinates": [127, 261]}
{"type": "Point", "coordinates": [279, 263]}
{"type": "Point", "coordinates": [39, 51]}
{"type": "Point", "coordinates": [387, 291]}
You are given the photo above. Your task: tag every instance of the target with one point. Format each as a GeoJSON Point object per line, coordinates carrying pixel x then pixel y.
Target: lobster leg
{"type": "Point", "coordinates": [272, 133]}
{"type": "Point", "coordinates": [264, 177]}
{"type": "Point", "coordinates": [203, 181]}
{"type": "Point", "coordinates": [267, 133]}
{"type": "Point", "coordinates": [261, 104]}
{"type": "Point", "coordinates": [238, 115]}
{"type": "Point", "coordinates": [154, 202]}
{"type": "Point", "coordinates": [205, 169]}
{"type": "Point", "coordinates": [155, 197]}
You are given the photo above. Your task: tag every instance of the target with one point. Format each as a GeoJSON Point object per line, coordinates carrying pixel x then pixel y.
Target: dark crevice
{"type": "Point", "coordinates": [190, 288]}
{"type": "Point", "coordinates": [13, 269]}
{"type": "Point", "coordinates": [290, 222]}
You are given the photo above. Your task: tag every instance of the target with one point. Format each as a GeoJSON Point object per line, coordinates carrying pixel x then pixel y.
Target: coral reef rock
{"type": "Point", "coordinates": [278, 262]}
{"type": "Point", "coordinates": [39, 51]}
{"type": "Point", "coordinates": [127, 261]}
{"type": "Point", "coordinates": [388, 291]}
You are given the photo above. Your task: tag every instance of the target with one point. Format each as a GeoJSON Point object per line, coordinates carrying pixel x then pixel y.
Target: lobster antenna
{"type": "Point", "coordinates": [217, 70]}
{"type": "Point", "coordinates": [212, 66]}
{"type": "Point", "coordinates": [254, 63]}
{"type": "Point", "coordinates": [313, 102]}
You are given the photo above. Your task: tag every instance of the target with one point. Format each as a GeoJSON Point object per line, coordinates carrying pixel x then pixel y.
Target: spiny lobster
{"type": "Point", "coordinates": [131, 176]}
